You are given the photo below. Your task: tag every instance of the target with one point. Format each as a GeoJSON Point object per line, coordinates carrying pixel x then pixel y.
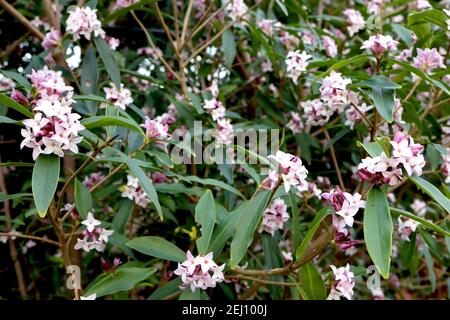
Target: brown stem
{"type": "Point", "coordinates": [333, 157]}
{"type": "Point", "coordinates": [25, 236]}
{"type": "Point", "coordinates": [22, 19]}
{"type": "Point", "coordinates": [12, 247]}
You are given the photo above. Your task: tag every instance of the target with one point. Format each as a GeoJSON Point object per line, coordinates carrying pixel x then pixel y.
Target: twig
{"type": "Point", "coordinates": [333, 156]}
{"type": "Point", "coordinates": [155, 49]}
{"type": "Point", "coordinates": [263, 281]}
{"type": "Point", "coordinates": [25, 236]}
{"type": "Point", "coordinates": [22, 19]}
{"type": "Point", "coordinates": [186, 21]}
{"type": "Point", "coordinates": [12, 246]}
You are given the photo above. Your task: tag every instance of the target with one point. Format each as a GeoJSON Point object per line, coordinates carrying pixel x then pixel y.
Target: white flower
{"type": "Point", "coordinates": [350, 207]}
{"type": "Point", "coordinates": [296, 63]}
{"type": "Point", "coordinates": [199, 272]}
{"type": "Point", "coordinates": [292, 170]}
{"type": "Point", "coordinates": [91, 222]}
{"type": "Point", "coordinates": [379, 44]}
{"type": "Point", "coordinates": [118, 97]}
{"type": "Point", "coordinates": [82, 22]}
{"type": "Point", "coordinates": [344, 281]}
{"type": "Point", "coordinates": [274, 216]}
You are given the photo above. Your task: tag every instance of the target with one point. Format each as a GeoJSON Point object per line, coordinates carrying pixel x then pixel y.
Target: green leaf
{"type": "Point", "coordinates": [121, 280]}
{"type": "Point", "coordinates": [422, 221]}
{"type": "Point", "coordinates": [21, 80]}
{"type": "Point", "coordinates": [197, 102]}
{"type": "Point", "coordinates": [7, 120]}
{"type": "Point", "coordinates": [295, 219]}
{"type": "Point", "coordinates": [430, 265]}
{"type": "Point", "coordinates": [7, 101]}
{"type": "Point", "coordinates": [342, 63]}
{"type": "Point", "coordinates": [433, 16]}
{"type": "Point", "coordinates": [312, 282]}
{"type": "Point", "coordinates": [212, 182]}
{"type": "Point", "coordinates": [110, 121]}
{"type": "Point", "coordinates": [383, 100]}
{"type": "Point", "coordinates": [157, 247]}
{"type": "Point", "coordinates": [382, 82]}
{"type": "Point", "coordinates": [89, 76]}
{"type": "Point", "coordinates": [145, 182]}
{"type": "Point", "coordinates": [108, 60]}
{"type": "Point", "coordinates": [205, 215]}
{"type": "Point", "coordinates": [378, 228]}
{"type": "Point", "coordinates": [16, 164]}
{"type": "Point", "coordinates": [187, 294]}
{"type": "Point", "coordinates": [44, 181]}
{"type": "Point", "coordinates": [408, 67]}
{"type": "Point", "coordinates": [404, 34]}
{"type": "Point", "coordinates": [229, 47]}
{"type": "Point", "coordinates": [374, 149]}
{"type": "Point", "coordinates": [83, 199]}
{"type": "Point", "coordinates": [121, 218]}
{"type": "Point", "coordinates": [6, 197]}
{"type": "Point", "coordinates": [166, 290]}
{"type": "Point", "coordinates": [273, 258]}
{"type": "Point", "coordinates": [252, 212]}
{"type": "Point", "coordinates": [315, 223]}
{"type": "Point", "coordinates": [432, 191]}
{"type": "Point", "coordinates": [223, 232]}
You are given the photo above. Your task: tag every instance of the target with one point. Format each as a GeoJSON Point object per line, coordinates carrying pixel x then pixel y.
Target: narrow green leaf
{"type": "Point", "coordinates": [89, 77]}
{"type": "Point", "coordinates": [121, 218]}
{"type": "Point", "coordinates": [315, 223]}
{"type": "Point", "coordinates": [157, 247]}
{"type": "Point", "coordinates": [21, 80]}
{"type": "Point", "coordinates": [83, 199]}
{"type": "Point", "coordinates": [7, 101]}
{"type": "Point", "coordinates": [5, 197]}
{"type": "Point", "coordinates": [312, 282]}
{"type": "Point", "coordinates": [252, 212]}
{"type": "Point", "coordinates": [383, 100]}
{"type": "Point", "coordinates": [229, 47]}
{"type": "Point", "coordinates": [382, 82]}
{"type": "Point", "coordinates": [432, 191]}
{"type": "Point", "coordinates": [111, 121]}
{"type": "Point", "coordinates": [166, 290]}
{"type": "Point", "coordinates": [44, 181]}
{"type": "Point", "coordinates": [205, 215]}
{"type": "Point", "coordinates": [108, 60]}
{"type": "Point", "coordinates": [378, 229]}
{"type": "Point", "coordinates": [424, 222]}
{"type": "Point", "coordinates": [121, 280]}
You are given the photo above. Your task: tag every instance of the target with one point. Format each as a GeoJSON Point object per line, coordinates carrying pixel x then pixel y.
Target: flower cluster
{"type": "Point", "coordinates": [94, 236]}
{"type": "Point", "coordinates": [355, 21]}
{"type": "Point", "coordinates": [344, 281]}
{"type": "Point", "coordinates": [120, 97]}
{"type": "Point", "coordinates": [224, 132]}
{"type": "Point", "coordinates": [199, 272]}
{"type": "Point", "coordinates": [133, 191]}
{"type": "Point", "coordinates": [345, 204]}
{"type": "Point", "coordinates": [82, 22]}
{"type": "Point", "coordinates": [406, 227]}
{"type": "Point", "coordinates": [384, 170]}
{"type": "Point", "coordinates": [274, 216]}
{"type": "Point", "coordinates": [123, 4]}
{"type": "Point", "coordinates": [296, 63]}
{"type": "Point", "coordinates": [379, 43]}
{"type": "Point", "coordinates": [54, 127]}
{"type": "Point", "coordinates": [51, 39]}
{"type": "Point", "coordinates": [236, 9]}
{"type": "Point", "coordinates": [293, 172]}
{"type": "Point", "coordinates": [445, 166]}
{"type": "Point", "coordinates": [428, 59]}
{"type": "Point", "coordinates": [93, 179]}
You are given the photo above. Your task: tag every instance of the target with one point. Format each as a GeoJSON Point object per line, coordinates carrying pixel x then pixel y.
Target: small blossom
{"type": "Point", "coordinates": [199, 272]}
{"type": "Point", "coordinates": [330, 46]}
{"type": "Point", "coordinates": [334, 91]}
{"type": "Point", "coordinates": [82, 22]}
{"type": "Point", "coordinates": [51, 39]}
{"type": "Point", "coordinates": [118, 97]}
{"type": "Point", "coordinates": [428, 59]}
{"type": "Point", "coordinates": [295, 123]}
{"type": "Point", "coordinates": [274, 216]}
{"type": "Point", "coordinates": [406, 227]}
{"type": "Point", "coordinates": [123, 4]}
{"type": "Point", "coordinates": [419, 207]}
{"type": "Point", "coordinates": [293, 173]}
{"type": "Point", "coordinates": [296, 63]}
{"type": "Point", "coordinates": [134, 191]}
{"type": "Point", "coordinates": [379, 44]}
{"type": "Point", "coordinates": [344, 281]}
{"type": "Point", "coordinates": [355, 21]}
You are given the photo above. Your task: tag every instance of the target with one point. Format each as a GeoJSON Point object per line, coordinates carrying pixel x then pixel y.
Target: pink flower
{"type": "Point", "coordinates": [224, 132]}
{"type": "Point", "coordinates": [215, 108]}
{"type": "Point", "coordinates": [94, 237]}
{"type": "Point", "coordinates": [330, 46]}
{"type": "Point", "coordinates": [51, 39]}
{"type": "Point", "coordinates": [93, 179]}
{"type": "Point", "coordinates": [355, 21]}
{"type": "Point", "coordinates": [428, 59]}
{"type": "Point", "coordinates": [82, 22]}
{"type": "Point", "coordinates": [292, 170]}
{"type": "Point", "coordinates": [123, 4]}
{"type": "Point", "coordinates": [199, 272]}
{"type": "Point", "coordinates": [344, 281]}
{"type": "Point", "coordinates": [133, 191]}
{"type": "Point", "coordinates": [316, 112]}
{"type": "Point", "coordinates": [296, 63]}
{"type": "Point", "coordinates": [333, 91]}
{"type": "Point", "coordinates": [296, 123]}
{"type": "Point", "coordinates": [345, 204]}
{"type": "Point", "coordinates": [19, 97]}
{"type": "Point", "coordinates": [379, 44]}
{"type": "Point", "coordinates": [406, 227]}
{"type": "Point", "coordinates": [118, 97]}
{"type": "Point", "coordinates": [112, 42]}
{"type": "Point", "coordinates": [274, 216]}
{"type": "Point", "coordinates": [268, 26]}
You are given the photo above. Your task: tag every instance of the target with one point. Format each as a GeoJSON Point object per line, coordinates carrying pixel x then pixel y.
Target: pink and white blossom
{"type": "Point", "coordinates": [84, 22]}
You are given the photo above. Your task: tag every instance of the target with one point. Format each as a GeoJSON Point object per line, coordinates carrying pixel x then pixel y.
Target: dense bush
{"type": "Point", "coordinates": [272, 149]}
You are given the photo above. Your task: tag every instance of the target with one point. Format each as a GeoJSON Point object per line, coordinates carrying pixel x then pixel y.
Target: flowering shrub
{"type": "Point", "coordinates": [225, 149]}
